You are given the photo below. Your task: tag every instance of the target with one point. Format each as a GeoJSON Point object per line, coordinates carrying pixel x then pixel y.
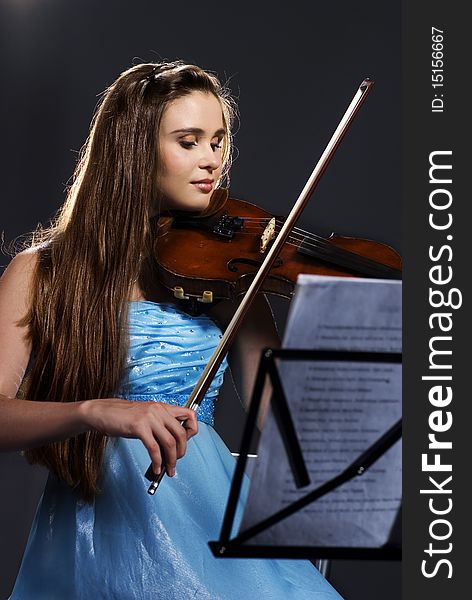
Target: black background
{"type": "Point", "coordinates": [293, 69]}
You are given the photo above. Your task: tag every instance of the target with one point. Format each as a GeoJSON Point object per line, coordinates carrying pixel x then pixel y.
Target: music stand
{"type": "Point", "coordinates": [227, 547]}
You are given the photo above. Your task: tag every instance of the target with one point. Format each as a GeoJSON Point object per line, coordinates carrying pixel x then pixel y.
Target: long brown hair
{"type": "Point", "coordinates": [93, 252]}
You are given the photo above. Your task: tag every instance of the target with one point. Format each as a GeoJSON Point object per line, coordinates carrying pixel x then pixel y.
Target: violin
{"type": "Point", "coordinates": [204, 259]}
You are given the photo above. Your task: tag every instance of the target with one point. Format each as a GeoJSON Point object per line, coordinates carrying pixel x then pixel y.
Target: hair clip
{"type": "Point", "coordinates": [153, 74]}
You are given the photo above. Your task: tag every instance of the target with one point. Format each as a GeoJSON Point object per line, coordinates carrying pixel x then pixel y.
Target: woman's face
{"type": "Point", "coordinates": [190, 151]}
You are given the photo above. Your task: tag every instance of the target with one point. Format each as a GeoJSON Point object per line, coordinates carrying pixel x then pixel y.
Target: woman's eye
{"type": "Point", "coordinates": [188, 145]}
{"type": "Point", "coordinates": [185, 144]}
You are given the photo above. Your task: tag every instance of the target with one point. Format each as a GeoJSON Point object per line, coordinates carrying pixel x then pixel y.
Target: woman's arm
{"type": "Point", "coordinates": [15, 347]}
{"type": "Point", "coordinates": [257, 331]}
{"type": "Point", "coordinates": [25, 424]}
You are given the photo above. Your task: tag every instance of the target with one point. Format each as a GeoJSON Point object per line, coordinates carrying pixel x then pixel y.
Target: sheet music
{"type": "Point", "coordinates": [339, 409]}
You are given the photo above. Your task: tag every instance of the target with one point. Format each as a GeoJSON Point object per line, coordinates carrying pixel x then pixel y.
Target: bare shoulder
{"type": "Point", "coordinates": [15, 283]}
{"type": "Point", "coordinates": [20, 270]}
{"type": "Point", "coordinates": [24, 261]}
{"type": "Point", "coordinates": [15, 345]}
{"type": "Point", "coordinates": [17, 277]}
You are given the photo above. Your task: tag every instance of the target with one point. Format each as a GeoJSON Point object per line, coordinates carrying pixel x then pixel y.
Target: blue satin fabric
{"type": "Point", "coordinates": [128, 545]}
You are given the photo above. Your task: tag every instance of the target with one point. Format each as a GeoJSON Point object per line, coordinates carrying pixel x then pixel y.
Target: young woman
{"type": "Point", "coordinates": [105, 360]}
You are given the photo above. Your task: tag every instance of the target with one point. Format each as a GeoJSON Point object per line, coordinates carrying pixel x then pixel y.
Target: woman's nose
{"type": "Point", "coordinates": [209, 159]}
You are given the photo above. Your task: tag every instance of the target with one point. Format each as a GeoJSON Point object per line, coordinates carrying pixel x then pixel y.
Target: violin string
{"type": "Point", "coordinates": [354, 258]}
{"type": "Point", "coordinates": [309, 240]}
{"type": "Point", "coordinates": [303, 232]}
{"type": "Point", "coordinates": [303, 235]}
{"type": "Point", "coordinates": [280, 222]}
{"type": "Point", "coordinates": [294, 238]}
{"type": "Point", "coordinates": [265, 221]}
{"type": "Point", "coordinates": [252, 230]}
{"type": "Point", "coordinates": [317, 242]}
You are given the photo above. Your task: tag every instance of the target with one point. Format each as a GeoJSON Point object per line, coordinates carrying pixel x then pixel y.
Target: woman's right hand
{"type": "Point", "coordinates": [156, 424]}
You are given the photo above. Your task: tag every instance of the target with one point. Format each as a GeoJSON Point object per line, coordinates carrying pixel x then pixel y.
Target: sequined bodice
{"type": "Point", "coordinates": [168, 350]}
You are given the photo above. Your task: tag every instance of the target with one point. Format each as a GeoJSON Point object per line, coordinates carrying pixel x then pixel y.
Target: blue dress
{"type": "Point", "coordinates": [129, 545]}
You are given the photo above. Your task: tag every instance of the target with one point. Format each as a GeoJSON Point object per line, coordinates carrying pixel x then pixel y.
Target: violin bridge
{"type": "Point", "coordinates": [268, 235]}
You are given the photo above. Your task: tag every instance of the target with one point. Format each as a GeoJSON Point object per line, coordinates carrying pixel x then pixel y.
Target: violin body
{"type": "Point", "coordinates": [221, 254]}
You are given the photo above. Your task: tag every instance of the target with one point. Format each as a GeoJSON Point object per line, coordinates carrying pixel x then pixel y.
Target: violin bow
{"type": "Point", "coordinates": [223, 347]}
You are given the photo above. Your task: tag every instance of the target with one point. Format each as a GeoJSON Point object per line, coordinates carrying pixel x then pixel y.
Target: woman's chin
{"type": "Point", "coordinates": [190, 206]}
{"type": "Point", "coordinates": [195, 204]}
{"type": "Point", "coordinates": [202, 203]}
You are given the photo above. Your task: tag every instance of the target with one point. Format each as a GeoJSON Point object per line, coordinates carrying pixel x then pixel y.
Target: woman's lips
{"type": "Point", "coordinates": [204, 187]}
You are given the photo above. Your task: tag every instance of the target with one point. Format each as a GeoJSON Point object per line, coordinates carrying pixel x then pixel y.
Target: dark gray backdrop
{"type": "Point", "coordinates": [293, 69]}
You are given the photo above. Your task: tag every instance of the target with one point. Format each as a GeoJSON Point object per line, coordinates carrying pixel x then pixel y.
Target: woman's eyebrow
{"type": "Point", "coordinates": [198, 131]}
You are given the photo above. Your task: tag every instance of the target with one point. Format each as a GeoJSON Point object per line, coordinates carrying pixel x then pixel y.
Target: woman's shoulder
{"type": "Point", "coordinates": [22, 266]}
{"type": "Point", "coordinates": [15, 283]}
{"type": "Point", "coordinates": [15, 300]}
